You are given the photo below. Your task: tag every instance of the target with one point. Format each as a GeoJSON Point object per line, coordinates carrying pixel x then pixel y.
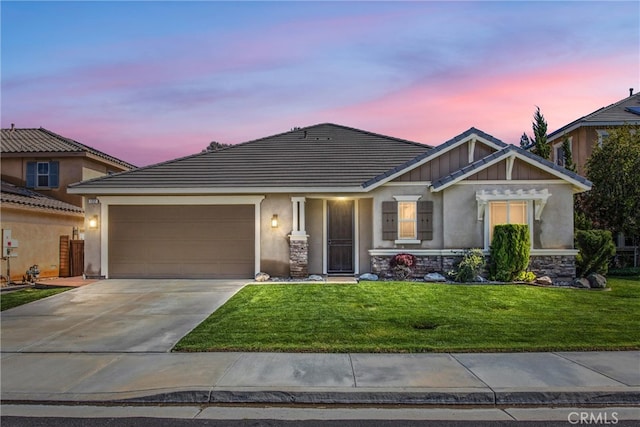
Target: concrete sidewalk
{"type": "Point", "coordinates": [561, 378]}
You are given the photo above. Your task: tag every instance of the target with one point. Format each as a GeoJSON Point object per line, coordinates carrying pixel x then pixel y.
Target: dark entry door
{"type": "Point", "coordinates": [340, 236]}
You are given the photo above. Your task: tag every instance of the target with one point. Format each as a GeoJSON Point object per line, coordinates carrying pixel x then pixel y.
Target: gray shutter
{"type": "Point", "coordinates": [389, 220]}
{"type": "Point", "coordinates": [54, 174]}
{"type": "Point", "coordinates": [31, 174]}
{"type": "Point", "coordinates": [425, 220]}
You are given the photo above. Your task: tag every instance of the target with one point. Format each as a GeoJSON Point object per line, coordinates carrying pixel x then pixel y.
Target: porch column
{"type": "Point", "coordinates": [298, 245]}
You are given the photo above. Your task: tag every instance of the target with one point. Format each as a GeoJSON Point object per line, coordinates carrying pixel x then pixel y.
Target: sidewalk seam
{"type": "Point", "coordinates": [591, 369]}
{"type": "Point", "coordinates": [353, 371]}
{"type": "Point", "coordinates": [493, 392]}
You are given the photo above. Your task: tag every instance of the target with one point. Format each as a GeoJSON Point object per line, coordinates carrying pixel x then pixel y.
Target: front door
{"type": "Point", "coordinates": [340, 228]}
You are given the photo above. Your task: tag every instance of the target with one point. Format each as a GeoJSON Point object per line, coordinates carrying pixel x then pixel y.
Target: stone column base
{"type": "Point", "coordinates": [298, 257]}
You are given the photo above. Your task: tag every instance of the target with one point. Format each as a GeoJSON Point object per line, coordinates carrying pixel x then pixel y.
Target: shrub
{"type": "Point", "coordinates": [470, 266]}
{"type": "Point", "coordinates": [596, 249]}
{"type": "Point", "coordinates": [401, 265]}
{"type": "Point", "coordinates": [526, 276]}
{"type": "Point", "coordinates": [509, 252]}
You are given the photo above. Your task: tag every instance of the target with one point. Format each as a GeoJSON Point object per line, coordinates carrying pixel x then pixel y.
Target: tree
{"type": "Point", "coordinates": [215, 146]}
{"type": "Point", "coordinates": [541, 147]}
{"type": "Point", "coordinates": [614, 169]}
{"type": "Point", "coordinates": [538, 143]}
{"type": "Point", "coordinates": [567, 155]}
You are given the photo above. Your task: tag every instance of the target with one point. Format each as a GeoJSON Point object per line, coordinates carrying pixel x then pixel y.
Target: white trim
{"type": "Point", "coordinates": [324, 237]}
{"type": "Point", "coordinates": [435, 155]}
{"type": "Point", "coordinates": [514, 182]}
{"type": "Point", "coordinates": [205, 191]}
{"type": "Point", "coordinates": [510, 162]}
{"type": "Point", "coordinates": [407, 198]}
{"type": "Point", "coordinates": [553, 252]}
{"type": "Point", "coordinates": [408, 242]}
{"type": "Point", "coordinates": [106, 201]}
{"type": "Point", "coordinates": [408, 183]}
{"type": "Point", "coordinates": [539, 197]}
{"type": "Point", "coordinates": [356, 237]}
{"type": "Point", "coordinates": [472, 148]}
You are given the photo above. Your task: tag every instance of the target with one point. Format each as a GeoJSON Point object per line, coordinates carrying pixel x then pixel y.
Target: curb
{"type": "Point", "coordinates": [400, 397]}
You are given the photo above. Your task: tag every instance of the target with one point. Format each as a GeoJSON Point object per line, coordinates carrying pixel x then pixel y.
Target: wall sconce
{"type": "Point", "coordinates": [274, 221]}
{"type": "Point", "coordinates": [93, 222]}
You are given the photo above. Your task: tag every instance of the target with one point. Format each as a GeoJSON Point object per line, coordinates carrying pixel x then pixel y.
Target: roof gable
{"type": "Point", "coordinates": [453, 144]}
{"type": "Point", "coordinates": [515, 153]}
{"type": "Point", "coordinates": [41, 140]}
{"type": "Point", "coordinates": [622, 112]}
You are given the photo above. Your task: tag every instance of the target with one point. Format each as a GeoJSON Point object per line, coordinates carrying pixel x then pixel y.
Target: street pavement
{"type": "Point", "coordinates": [110, 342]}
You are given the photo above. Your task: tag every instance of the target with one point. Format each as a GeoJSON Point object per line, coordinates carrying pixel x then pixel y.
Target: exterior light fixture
{"type": "Point", "coordinates": [93, 222]}
{"type": "Point", "coordinates": [274, 221]}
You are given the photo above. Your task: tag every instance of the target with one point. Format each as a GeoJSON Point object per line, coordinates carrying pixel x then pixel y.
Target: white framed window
{"type": "Point", "coordinates": [407, 219]}
{"type": "Point", "coordinates": [508, 212]}
{"type": "Point", "coordinates": [43, 174]}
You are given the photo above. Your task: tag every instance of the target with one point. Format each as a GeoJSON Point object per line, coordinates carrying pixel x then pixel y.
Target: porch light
{"type": "Point", "coordinates": [274, 221]}
{"type": "Point", "coordinates": [93, 222]}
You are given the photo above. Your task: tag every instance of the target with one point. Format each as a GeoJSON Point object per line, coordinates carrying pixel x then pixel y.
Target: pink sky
{"type": "Point", "coordinates": [151, 81]}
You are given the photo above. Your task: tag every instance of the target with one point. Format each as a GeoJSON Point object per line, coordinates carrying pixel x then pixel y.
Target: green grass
{"type": "Point", "coordinates": [15, 298]}
{"type": "Point", "coordinates": [418, 317]}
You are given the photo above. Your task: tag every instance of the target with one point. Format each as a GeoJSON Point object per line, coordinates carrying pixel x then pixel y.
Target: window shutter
{"type": "Point", "coordinates": [389, 220]}
{"type": "Point", "coordinates": [425, 220]}
{"type": "Point", "coordinates": [54, 174]}
{"type": "Point", "coordinates": [31, 174]}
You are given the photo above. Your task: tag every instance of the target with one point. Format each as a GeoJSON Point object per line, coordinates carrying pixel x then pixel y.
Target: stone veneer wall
{"type": "Point", "coordinates": [299, 258]}
{"type": "Point", "coordinates": [560, 268]}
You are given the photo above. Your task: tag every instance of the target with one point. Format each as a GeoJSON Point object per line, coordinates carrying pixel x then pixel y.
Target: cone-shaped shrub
{"type": "Point", "coordinates": [509, 252]}
{"type": "Point", "coordinates": [596, 249]}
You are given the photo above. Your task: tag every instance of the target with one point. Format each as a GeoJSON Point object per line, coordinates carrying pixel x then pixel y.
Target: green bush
{"type": "Point", "coordinates": [470, 266]}
{"type": "Point", "coordinates": [596, 249]}
{"type": "Point", "coordinates": [509, 252]}
{"type": "Point", "coordinates": [526, 276]}
{"type": "Point", "coordinates": [625, 272]}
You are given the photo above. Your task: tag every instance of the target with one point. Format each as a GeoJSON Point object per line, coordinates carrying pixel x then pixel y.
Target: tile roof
{"type": "Point", "coordinates": [320, 156]}
{"type": "Point", "coordinates": [618, 113]}
{"type": "Point", "coordinates": [41, 140]}
{"type": "Point", "coordinates": [13, 194]}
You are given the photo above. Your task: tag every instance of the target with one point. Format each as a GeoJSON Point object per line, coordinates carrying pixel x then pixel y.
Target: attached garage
{"type": "Point", "coordinates": [181, 241]}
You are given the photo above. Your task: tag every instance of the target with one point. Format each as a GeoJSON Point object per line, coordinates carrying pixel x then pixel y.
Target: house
{"type": "Point", "coordinates": [330, 200]}
{"type": "Point", "coordinates": [587, 132]}
{"type": "Point", "coordinates": [37, 212]}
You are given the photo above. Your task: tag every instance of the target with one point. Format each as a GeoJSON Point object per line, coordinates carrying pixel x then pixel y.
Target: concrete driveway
{"type": "Point", "coordinates": [115, 316]}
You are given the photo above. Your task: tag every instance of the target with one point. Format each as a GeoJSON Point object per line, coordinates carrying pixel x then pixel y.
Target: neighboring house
{"type": "Point", "coordinates": [37, 166]}
{"type": "Point", "coordinates": [588, 132]}
{"type": "Point", "coordinates": [327, 199]}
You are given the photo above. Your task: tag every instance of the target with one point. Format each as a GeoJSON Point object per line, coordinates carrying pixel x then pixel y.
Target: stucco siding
{"type": "Point", "coordinates": [314, 224]}
{"type": "Point", "coordinates": [461, 228]}
{"type": "Point", "coordinates": [386, 193]}
{"type": "Point", "coordinates": [38, 234]}
{"type": "Point", "coordinates": [274, 242]}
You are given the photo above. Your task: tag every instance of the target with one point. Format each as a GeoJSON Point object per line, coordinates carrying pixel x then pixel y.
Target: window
{"type": "Point", "coordinates": [507, 212]}
{"type": "Point", "coordinates": [603, 135]}
{"type": "Point", "coordinates": [558, 151]}
{"type": "Point", "coordinates": [407, 220]}
{"type": "Point", "coordinates": [43, 174]}
{"type": "Point", "coordinates": [407, 216]}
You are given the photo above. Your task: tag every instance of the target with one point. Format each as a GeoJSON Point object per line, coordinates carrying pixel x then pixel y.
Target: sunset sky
{"type": "Point", "coordinates": [151, 81]}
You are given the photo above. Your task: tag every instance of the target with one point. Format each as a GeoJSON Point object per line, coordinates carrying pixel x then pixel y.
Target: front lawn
{"type": "Point", "coordinates": [15, 298]}
{"type": "Point", "coordinates": [418, 317]}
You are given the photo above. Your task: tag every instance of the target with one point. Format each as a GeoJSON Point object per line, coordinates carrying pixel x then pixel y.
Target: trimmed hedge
{"type": "Point", "coordinates": [509, 252]}
{"type": "Point", "coordinates": [596, 249]}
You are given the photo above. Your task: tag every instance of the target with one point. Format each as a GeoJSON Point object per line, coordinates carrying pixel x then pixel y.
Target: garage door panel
{"type": "Point", "coordinates": [182, 241]}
